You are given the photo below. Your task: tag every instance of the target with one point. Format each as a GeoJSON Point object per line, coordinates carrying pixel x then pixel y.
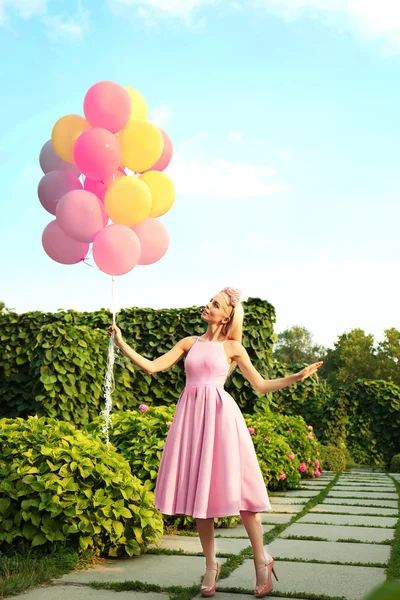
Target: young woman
{"type": "Point", "coordinates": [209, 467]}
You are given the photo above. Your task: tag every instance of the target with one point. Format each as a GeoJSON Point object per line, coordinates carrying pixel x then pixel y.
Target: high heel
{"type": "Point", "coordinates": [209, 590]}
{"type": "Point", "coordinates": [266, 588]}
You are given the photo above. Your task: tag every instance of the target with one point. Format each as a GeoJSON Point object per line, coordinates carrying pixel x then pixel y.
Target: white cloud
{"type": "Point", "coordinates": [284, 155]}
{"type": "Point", "coordinates": [235, 136]}
{"type": "Point", "coordinates": [182, 9]}
{"type": "Point", "coordinates": [67, 27]}
{"type": "Point", "coordinates": [222, 179]}
{"type": "Point", "coordinates": [370, 18]}
{"type": "Point", "coordinates": [20, 8]}
{"type": "Point", "coordinates": [161, 115]}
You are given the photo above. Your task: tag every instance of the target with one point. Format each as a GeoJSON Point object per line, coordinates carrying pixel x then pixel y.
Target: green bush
{"type": "Point", "coordinates": [395, 464]}
{"type": "Point", "coordinates": [57, 485]}
{"type": "Point", "coordinates": [334, 457]}
{"type": "Point", "coordinates": [140, 437]}
{"type": "Point", "coordinates": [286, 435]}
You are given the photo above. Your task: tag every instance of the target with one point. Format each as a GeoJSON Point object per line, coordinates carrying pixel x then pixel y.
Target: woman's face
{"type": "Point", "coordinates": [215, 310]}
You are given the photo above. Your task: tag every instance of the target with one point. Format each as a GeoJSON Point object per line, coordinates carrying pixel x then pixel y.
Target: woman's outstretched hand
{"type": "Point", "coordinates": [117, 334]}
{"type": "Point", "coordinates": [309, 370]}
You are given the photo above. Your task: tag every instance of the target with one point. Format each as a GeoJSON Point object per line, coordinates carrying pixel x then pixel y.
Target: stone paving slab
{"type": "Point", "coordinates": [350, 501]}
{"type": "Point", "coordinates": [275, 518]}
{"type": "Point", "coordinates": [354, 583]}
{"type": "Point", "coordinates": [287, 508]}
{"type": "Point", "coordinates": [367, 488]}
{"type": "Point", "coordinates": [287, 500]}
{"type": "Point", "coordinates": [346, 552]}
{"type": "Point", "coordinates": [355, 510]}
{"type": "Point", "coordinates": [238, 532]}
{"type": "Point", "coordinates": [300, 494]}
{"type": "Point", "coordinates": [348, 520]}
{"type": "Point", "coordinates": [148, 568]}
{"type": "Point", "coordinates": [337, 532]}
{"type": "Point", "coordinates": [362, 494]}
{"type": "Point", "coordinates": [192, 544]}
{"type": "Point", "coordinates": [73, 592]}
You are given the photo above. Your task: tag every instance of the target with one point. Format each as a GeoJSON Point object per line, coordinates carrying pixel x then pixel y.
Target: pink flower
{"type": "Point", "coordinates": [317, 463]}
{"type": "Point", "coordinates": [318, 473]}
{"type": "Point", "coordinates": [251, 430]}
{"type": "Point", "coordinates": [308, 459]}
{"type": "Point", "coordinates": [309, 436]}
{"type": "Point", "coordinates": [289, 431]}
{"type": "Point", "coordinates": [143, 407]}
{"type": "Point", "coordinates": [266, 438]}
{"type": "Point", "coordinates": [312, 472]}
{"type": "Point", "coordinates": [169, 424]}
{"type": "Point", "coordinates": [282, 475]}
{"type": "Point", "coordinates": [310, 427]}
{"type": "Point", "coordinates": [302, 467]}
{"type": "Point", "coordinates": [291, 456]}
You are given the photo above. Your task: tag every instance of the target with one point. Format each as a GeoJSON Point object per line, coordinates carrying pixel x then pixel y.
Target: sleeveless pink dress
{"type": "Point", "coordinates": [209, 467]}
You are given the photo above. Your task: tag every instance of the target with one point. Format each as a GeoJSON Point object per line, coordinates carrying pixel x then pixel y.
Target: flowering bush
{"type": "Point", "coordinates": [284, 449]}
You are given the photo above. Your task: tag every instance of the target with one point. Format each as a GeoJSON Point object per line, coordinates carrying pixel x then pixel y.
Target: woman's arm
{"type": "Point", "coordinates": [152, 366]}
{"type": "Point", "coordinates": [261, 385]}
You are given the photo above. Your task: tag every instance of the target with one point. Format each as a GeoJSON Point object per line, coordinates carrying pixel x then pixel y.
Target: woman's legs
{"type": "Point", "coordinates": [205, 527]}
{"type": "Point", "coordinates": [252, 523]}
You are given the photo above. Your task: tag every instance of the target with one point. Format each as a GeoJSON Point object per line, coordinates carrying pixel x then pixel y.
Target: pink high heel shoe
{"type": "Point", "coordinates": [209, 590]}
{"type": "Point", "coordinates": [263, 590]}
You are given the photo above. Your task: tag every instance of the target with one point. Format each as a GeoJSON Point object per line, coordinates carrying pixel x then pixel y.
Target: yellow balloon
{"type": "Point", "coordinates": [128, 201]}
{"type": "Point", "coordinates": [65, 133]}
{"type": "Point", "coordinates": [139, 108]}
{"type": "Point", "coordinates": [141, 145]}
{"type": "Point", "coordinates": [162, 192]}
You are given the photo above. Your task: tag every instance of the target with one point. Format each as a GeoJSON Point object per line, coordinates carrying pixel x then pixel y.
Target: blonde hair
{"type": "Point", "coordinates": [233, 329]}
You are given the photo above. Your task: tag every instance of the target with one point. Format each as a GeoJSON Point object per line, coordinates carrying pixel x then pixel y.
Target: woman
{"type": "Point", "coordinates": [209, 467]}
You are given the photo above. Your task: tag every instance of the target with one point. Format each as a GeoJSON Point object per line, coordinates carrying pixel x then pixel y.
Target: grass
{"type": "Point", "coordinates": [393, 569]}
{"type": "Point", "coordinates": [26, 568]}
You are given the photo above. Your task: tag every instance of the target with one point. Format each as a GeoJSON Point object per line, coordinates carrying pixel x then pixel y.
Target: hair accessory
{"type": "Point", "coordinates": [233, 294]}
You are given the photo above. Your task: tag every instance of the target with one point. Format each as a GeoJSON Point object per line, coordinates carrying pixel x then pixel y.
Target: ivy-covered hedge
{"type": "Point", "coordinates": [366, 416]}
{"type": "Point", "coordinates": [54, 364]}
{"type": "Point", "coordinates": [306, 398]}
{"type": "Point", "coordinates": [58, 485]}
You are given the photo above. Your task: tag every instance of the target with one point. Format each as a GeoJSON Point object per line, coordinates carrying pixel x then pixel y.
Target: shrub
{"type": "Point", "coordinates": [286, 435]}
{"type": "Point", "coordinates": [140, 437]}
{"type": "Point", "coordinates": [395, 464]}
{"type": "Point", "coordinates": [334, 457]}
{"type": "Point", "coordinates": [57, 485]}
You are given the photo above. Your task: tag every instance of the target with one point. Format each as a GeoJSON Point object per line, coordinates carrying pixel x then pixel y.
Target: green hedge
{"type": "Point", "coordinates": [54, 364]}
{"type": "Point", "coordinates": [365, 416]}
{"type": "Point", "coordinates": [58, 485]}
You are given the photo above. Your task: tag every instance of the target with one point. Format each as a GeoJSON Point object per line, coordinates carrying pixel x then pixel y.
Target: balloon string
{"type": "Point", "coordinates": [109, 381]}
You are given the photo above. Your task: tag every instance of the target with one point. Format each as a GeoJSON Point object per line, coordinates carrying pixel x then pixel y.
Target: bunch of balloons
{"type": "Point", "coordinates": [88, 187]}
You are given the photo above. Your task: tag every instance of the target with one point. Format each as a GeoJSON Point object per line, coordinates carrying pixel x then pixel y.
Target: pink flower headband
{"type": "Point", "coordinates": [234, 295]}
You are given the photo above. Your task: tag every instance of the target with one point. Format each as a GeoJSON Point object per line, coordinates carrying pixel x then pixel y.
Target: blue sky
{"type": "Point", "coordinates": [284, 116]}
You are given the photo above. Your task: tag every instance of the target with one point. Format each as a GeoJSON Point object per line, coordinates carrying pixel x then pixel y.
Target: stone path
{"type": "Point", "coordinates": [353, 523]}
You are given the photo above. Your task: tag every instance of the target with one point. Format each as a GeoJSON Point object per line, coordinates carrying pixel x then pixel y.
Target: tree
{"type": "Point", "coordinates": [295, 345]}
{"type": "Point", "coordinates": [388, 357]}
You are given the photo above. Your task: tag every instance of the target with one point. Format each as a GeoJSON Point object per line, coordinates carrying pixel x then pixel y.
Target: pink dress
{"type": "Point", "coordinates": [209, 467]}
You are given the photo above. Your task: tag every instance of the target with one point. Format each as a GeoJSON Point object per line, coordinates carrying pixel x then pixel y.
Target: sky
{"type": "Point", "coordinates": [285, 120]}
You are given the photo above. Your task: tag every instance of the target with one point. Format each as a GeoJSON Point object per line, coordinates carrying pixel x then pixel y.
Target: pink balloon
{"type": "Point", "coordinates": [60, 247]}
{"type": "Point", "coordinates": [116, 249]}
{"type": "Point", "coordinates": [100, 187]}
{"type": "Point", "coordinates": [50, 161]}
{"type": "Point", "coordinates": [55, 184]}
{"type": "Point", "coordinates": [81, 215]}
{"type": "Point", "coordinates": [154, 240]}
{"type": "Point", "coordinates": [97, 153]}
{"type": "Point", "coordinates": [107, 104]}
{"type": "Point", "coordinates": [166, 154]}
